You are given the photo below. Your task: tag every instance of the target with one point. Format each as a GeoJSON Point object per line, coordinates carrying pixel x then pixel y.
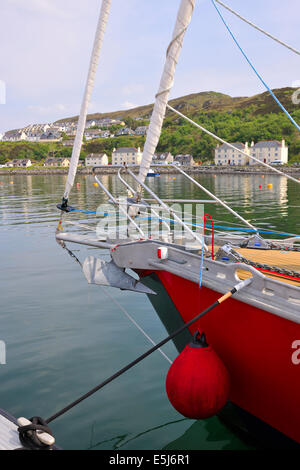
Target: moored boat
{"type": "Point", "coordinates": [256, 330]}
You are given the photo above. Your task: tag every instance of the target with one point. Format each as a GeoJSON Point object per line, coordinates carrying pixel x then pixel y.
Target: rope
{"type": "Point", "coordinates": [213, 233]}
{"type": "Point", "coordinates": [254, 69]}
{"type": "Point", "coordinates": [258, 28]}
{"type": "Point", "coordinates": [28, 434]}
{"type": "Point", "coordinates": [135, 323]}
{"type": "Point", "coordinates": [201, 266]}
{"type": "Point", "coordinates": [222, 299]}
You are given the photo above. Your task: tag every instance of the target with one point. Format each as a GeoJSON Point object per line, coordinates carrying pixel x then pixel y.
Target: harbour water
{"type": "Point", "coordinates": [63, 336]}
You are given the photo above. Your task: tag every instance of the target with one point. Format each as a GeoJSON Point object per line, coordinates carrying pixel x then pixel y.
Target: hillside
{"type": "Point", "coordinates": [208, 101]}
{"type": "Point", "coordinates": [232, 118]}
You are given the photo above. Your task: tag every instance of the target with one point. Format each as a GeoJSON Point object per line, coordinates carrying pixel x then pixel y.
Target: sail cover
{"type": "Point", "coordinates": [101, 27]}
{"type": "Point", "coordinates": [183, 20]}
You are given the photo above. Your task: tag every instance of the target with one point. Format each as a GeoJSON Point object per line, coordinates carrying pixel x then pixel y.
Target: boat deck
{"type": "Point", "coordinates": [289, 260]}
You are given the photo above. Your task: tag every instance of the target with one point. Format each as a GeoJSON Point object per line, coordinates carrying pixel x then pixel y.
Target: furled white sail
{"type": "Point", "coordinates": [183, 20]}
{"type": "Point", "coordinates": [101, 27]}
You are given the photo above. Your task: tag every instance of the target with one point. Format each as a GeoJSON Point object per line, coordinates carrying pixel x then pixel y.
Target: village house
{"type": "Point", "coordinates": [107, 122]}
{"type": "Point", "coordinates": [69, 143]}
{"type": "Point", "coordinates": [269, 151]}
{"type": "Point", "coordinates": [225, 155]}
{"type": "Point", "coordinates": [126, 156]}
{"type": "Point", "coordinates": [18, 163]}
{"type": "Point", "coordinates": [57, 162]}
{"type": "Point", "coordinates": [35, 131]}
{"type": "Point", "coordinates": [184, 160]}
{"type": "Point", "coordinates": [96, 159]}
{"type": "Point", "coordinates": [71, 132]}
{"type": "Point", "coordinates": [163, 158]}
{"type": "Point", "coordinates": [125, 131]}
{"type": "Point", "coordinates": [103, 123]}
{"type": "Point", "coordinates": [15, 136]}
{"type": "Point", "coordinates": [141, 130]}
{"type": "Point", "coordinates": [91, 134]}
{"type": "Point", "coordinates": [51, 136]}
{"type": "Point", "coordinates": [106, 134]}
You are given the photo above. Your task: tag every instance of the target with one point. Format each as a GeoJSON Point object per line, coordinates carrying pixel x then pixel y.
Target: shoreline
{"type": "Point", "coordinates": [113, 170]}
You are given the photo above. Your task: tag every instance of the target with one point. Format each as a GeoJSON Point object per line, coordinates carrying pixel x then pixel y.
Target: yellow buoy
{"type": "Point", "coordinates": [11, 182]}
{"type": "Point", "coordinates": [96, 185]}
{"type": "Point", "coordinates": [270, 186]}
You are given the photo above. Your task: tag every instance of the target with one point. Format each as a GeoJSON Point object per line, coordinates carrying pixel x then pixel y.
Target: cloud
{"type": "Point", "coordinates": [47, 46]}
{"type": "Point", "coordinates": [47, 110]}
{"type": "Point", "coordinates": [128, 105]}
{"type": "Point", "coordinates": [46, 7]}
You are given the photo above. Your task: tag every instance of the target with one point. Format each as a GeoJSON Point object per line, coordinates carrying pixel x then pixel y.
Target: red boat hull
{"type": "Point", "coordinates": [257, 347]}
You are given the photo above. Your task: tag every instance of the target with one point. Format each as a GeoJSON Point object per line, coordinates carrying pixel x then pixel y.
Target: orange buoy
{"type": "Point", "coordinates": [11, 182]}
{"type": "Point", "coordinates": [197, 383]}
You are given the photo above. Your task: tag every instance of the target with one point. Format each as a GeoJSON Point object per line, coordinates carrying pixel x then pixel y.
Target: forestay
{"type": "Point", "coordinates": [104, 13]}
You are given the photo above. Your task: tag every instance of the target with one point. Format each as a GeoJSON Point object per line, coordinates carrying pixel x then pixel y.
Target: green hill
{"type": "Point", "coordinates": [232, 118]}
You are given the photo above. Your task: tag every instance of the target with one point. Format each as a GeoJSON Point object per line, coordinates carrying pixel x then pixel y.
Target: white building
{"type": "Point", "coordinates": [96, 159]}
{"type": "Point", "coordinates": [269, 151]}
{"type": "Point", "coordinates": [91, 134]}
{"type": "Point", "coordinates": [126, 156]}
{"type": "Point", "coordinates": [141, 130]}
{"type": "Point", "coordinates": [225, 155]}
{"type": "Point", "coordinates": [184, 160]}
{"type": "Point", "coordinates": [15, 136]}
{"type": "Point", "coordinates": [17, 163]}
{"type": "Point", "coordinates": [163, 158]}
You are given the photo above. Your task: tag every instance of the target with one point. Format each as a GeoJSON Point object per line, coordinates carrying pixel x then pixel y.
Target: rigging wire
{"type": "Point", "coordinates": [232, 146]}
{"type": "Point", "coordinates": [241, 285]}
{"type": "Point", "coordinates": [254, 69]}
{"type": "Point", "coordinates": [195, 224]}
{"type": "Point", "coordinates": [134, 322]}
{"type": "Point", "coordinates": [258, 28]}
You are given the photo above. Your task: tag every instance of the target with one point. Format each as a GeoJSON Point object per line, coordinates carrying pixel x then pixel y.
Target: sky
{"type": "Point", "coordinates": [46, 46]}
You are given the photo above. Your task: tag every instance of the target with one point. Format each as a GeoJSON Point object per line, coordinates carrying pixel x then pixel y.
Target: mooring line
{"type": "Point", "coordinates": [134, 322]}
{"type": "Point", "coordinates": [236, 288]}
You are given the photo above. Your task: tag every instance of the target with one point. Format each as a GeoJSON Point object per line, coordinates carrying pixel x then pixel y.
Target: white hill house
{"type": "Point", "coordinates": [266, 151]}
{"type": "Point", "coordinates": [126, 156]}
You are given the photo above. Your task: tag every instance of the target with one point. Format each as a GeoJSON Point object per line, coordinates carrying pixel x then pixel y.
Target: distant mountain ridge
{"type": "Point", "coordinates": [207, 101]}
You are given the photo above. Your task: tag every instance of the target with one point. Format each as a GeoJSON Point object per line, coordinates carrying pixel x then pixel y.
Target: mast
{"type": "Point", "coordinates": [183, 20]}
{"type": "Point", "coordinates": [101, 27]}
